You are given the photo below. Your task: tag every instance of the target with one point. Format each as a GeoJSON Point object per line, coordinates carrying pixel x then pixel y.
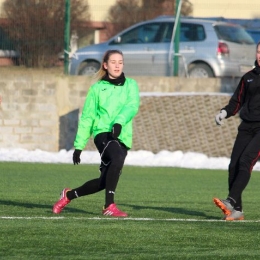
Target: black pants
{"type": "Point", "coordinates": [113, 154]}
{"type": "Point", "coordinates": [245, 154]}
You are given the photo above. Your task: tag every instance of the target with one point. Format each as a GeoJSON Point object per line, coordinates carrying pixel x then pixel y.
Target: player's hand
{"type": "Point", "coordinates": [220, 116]}
{"type": "Point", "coordinates": [116, 130]}
{"type": "Point", "coordinates": [76, 156]}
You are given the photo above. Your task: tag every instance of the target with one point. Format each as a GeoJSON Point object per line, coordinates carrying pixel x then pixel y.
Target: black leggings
{"type": "Point", "coordinates": [113, 154]}
{"type": "Point", "coordinates": [245, 154]}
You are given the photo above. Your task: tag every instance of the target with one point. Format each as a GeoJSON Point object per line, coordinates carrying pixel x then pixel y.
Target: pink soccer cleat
{"type": "Point", "coordinates": [113, 211]}
{"type": "Point", "coordinates": [61, 203]}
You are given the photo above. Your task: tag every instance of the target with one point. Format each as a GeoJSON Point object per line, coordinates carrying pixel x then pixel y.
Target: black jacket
{"type": "Point", "coordinates": [246, 97]}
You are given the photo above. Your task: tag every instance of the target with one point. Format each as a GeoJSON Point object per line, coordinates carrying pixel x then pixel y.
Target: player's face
{"type": "Point", "coordinates": [114, 65]}
{"type": "Point", "coordinates": [258, 54]}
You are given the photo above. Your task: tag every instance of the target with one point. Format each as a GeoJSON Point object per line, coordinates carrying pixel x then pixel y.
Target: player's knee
{"type": "Point", "coordinates": [245, 164]}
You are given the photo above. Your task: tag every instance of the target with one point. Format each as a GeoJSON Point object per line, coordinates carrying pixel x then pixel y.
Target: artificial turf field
{"type": "Point", "coordinates": [171, 215]}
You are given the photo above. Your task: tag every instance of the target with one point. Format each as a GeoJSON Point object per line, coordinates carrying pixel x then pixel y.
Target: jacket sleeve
{"type": "Point", "coordinates": [85, 126]}
{"type": "Point", "coordinates": [128, 112]}
{"type": "Point", "coordinates": [237, 99]}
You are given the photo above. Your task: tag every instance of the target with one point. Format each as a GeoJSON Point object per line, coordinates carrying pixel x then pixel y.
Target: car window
{"type": "Point", "coordinates": [161, 32]}
{"type": "Point", "coordinates": [192, 32]}
{"type": "Point", "coordinates": [146, 33]}
{"type": "Point", "coordinates": [233, 34]}
{"type": "Point", "coordinates": [188, 32]}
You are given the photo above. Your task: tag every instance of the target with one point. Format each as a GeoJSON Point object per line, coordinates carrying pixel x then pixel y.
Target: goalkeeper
{"type": "Point", "coordinates": [246, 150]}
{"type": "Point", "coordinates": [110, 106]}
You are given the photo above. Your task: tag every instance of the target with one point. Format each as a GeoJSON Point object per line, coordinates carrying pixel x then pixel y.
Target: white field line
{"type": "Point", "coordinates": [127, 219]}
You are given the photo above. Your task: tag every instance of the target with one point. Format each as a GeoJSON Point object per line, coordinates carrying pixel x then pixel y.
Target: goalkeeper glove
{"type": "Point", "coordinates": [220, 116]}
{"type": "Point", "coordinates": [76, 156]}
{"type": "Point", "coordinates": [116, 130]}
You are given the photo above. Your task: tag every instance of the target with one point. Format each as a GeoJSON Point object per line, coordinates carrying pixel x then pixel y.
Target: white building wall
{"type": "Point", "coordinates": [99, 9]}
{"type": "Point", "coordinates": [240, 9]}
{"type": "Point", "coordinates": [201, 8]}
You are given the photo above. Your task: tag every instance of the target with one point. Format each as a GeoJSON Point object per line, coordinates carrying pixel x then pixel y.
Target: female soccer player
{"type": "Point", "coordinates": [108, 112]}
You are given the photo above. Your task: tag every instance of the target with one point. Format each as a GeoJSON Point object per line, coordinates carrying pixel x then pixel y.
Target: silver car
{"type": "Point", "coordinates": [206, 49]}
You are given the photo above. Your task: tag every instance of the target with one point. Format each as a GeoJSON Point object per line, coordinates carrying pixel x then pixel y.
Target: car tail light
{"type": "Point", "coordinates": [222, 49]}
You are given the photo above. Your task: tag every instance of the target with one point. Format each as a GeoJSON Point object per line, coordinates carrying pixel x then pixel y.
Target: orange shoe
{"type": "Point", "coordinates": [224, 205]}
{"type": "Point", "coordinates": [62, 202]}
{"type": "Point", "coordinates": [235, 215]}
{"type": "Point", "coordinates": [113, 211]}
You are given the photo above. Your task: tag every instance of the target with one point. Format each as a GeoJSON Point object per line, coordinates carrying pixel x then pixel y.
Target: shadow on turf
{"type": "Point", "coordinates": [172, 210]}
{"type": "Point", "coordinates": [40, 206]}
{"type": "Point", "coordinates": [135, 207]}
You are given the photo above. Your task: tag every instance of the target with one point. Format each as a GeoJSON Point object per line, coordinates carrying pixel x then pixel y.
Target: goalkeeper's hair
{"type": "Point", "coordinates": [258, 44]}
{"type": "Point", "coordinates": [102, 71]}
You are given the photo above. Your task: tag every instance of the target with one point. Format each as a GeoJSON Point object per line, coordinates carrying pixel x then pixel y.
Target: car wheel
{"type": "Point", "coordinates": [200, 70]}
{"type": "Point", "coordinates": [89, 68]}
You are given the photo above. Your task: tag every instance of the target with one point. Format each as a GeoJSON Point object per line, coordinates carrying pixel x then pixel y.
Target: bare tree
{"type": "Point", "coordinates": [125, 13]}
{"type": "Point", "coordinates": [37, 27]}
{"type": "Point", "coordinates": [121, 15]}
